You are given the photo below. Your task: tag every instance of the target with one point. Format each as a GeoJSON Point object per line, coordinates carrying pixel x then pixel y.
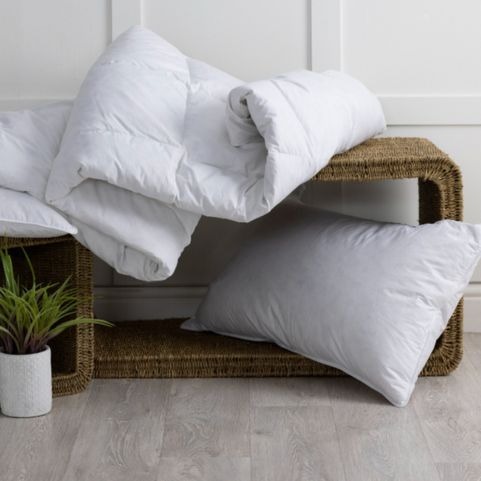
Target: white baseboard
{"type": "Point", "coordinates": [472, 308]}
{"type": "Point", "coordinates": [134, 303]}
{"type": "Point", "coordinates": [142, 303]}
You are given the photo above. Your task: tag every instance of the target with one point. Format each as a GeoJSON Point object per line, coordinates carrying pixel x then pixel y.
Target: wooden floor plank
{"type": "Point", "coordinates": [294, 444]}
{"type": "Point", "coordinates": [121, 433]}
{"type": "Point", "coordinates": [294, 391]}
{"type": "Point", "coordinates": [378, 441]}
{"type": "Point", "coordinates": [449, 411]}
{"type": "Point", "coordinates": [205, 468]}
{"type": "Point", "coordinates": [259, 429]}
{"type": "Point", "coordinates": [459, 472]}
{"type": "Point", "coordinates": [39, 448]}
{"type": "Point", "coordinates": [207, 417]}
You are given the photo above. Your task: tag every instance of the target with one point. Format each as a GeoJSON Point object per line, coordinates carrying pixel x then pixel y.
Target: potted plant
{"type": "Point", "coordinates": [30, 317]}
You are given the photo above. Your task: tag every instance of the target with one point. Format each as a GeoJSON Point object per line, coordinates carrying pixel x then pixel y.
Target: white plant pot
{"type": "Point", "coordinates": [25, 384]}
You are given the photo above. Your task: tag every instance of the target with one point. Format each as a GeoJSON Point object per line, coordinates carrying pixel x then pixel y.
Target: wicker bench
{"type": "Point", "coordinates": [161, 349]}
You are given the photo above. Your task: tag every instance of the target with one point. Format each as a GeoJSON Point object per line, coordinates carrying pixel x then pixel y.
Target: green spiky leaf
{"type": "Point", "coordinates": [30, 317]}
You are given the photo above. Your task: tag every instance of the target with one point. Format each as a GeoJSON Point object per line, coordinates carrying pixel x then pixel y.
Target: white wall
{"type": "Point", "coordinates": [420, 56]}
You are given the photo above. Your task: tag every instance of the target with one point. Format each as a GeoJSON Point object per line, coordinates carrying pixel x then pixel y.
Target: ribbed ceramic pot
{"type": "Point", "coordinates": [25, 384]}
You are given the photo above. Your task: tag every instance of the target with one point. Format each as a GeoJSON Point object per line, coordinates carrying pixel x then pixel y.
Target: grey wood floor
{"type": "Point", "coordinates": [259, 429]}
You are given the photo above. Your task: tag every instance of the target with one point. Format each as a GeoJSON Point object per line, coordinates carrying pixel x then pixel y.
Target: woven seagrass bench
{"type": "Point", "coordinates": [160, 348]}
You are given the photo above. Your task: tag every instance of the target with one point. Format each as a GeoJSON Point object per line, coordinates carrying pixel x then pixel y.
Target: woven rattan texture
{"type": "Point", "coordinates": [161, 349]}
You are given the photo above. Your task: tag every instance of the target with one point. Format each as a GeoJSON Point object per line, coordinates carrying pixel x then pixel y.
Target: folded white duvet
{"type": "Point", "coordinates": [155, 139]}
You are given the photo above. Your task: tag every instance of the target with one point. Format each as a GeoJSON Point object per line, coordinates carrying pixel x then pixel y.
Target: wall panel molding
{"type": "Point", "coordinates": [472, 308]}
{"type": "Point", "coordinates": [326, 35]}
{"type": "Point", "coordinates": [147, 302]}
{"type": "Point", "coordinates": [327, 52]}
{"type": "Point", "coordinates": [125, 14]}
{"type": "Point", "coordinates": [157, 302]}
{"type": "Point", "coordinates": [432, 110]}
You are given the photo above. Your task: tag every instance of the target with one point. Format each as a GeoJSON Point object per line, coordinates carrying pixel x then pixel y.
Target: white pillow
{"type": "Point", "coordinates": [366, 297]}
{"type": "Point", "coordinates": [29, 141]}
{"type": "Point", "coordinates": [22, 215]}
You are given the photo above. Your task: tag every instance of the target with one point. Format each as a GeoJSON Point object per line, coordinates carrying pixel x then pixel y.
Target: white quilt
{"type": "Point", "coordinates": [156, 139]}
